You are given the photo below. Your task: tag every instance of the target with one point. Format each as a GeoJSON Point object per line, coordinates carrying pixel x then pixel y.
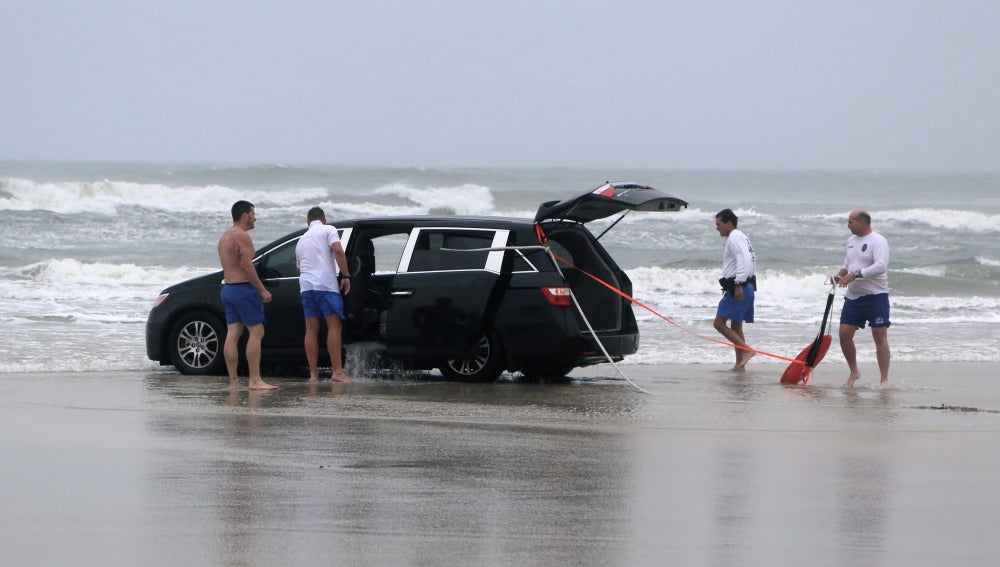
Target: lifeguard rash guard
{"type": "Point", "coordinates": [314, 258]}
{"type": "Point", "coordinates": [738, 260]}
{"type": "Point", "coordinates": [868, 254]}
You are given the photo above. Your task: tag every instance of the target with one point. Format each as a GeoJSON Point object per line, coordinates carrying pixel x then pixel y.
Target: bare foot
{"type": "Point", "coordinates": [742, 364]}
{"type": "Point", "coordinates": [885, 386]}
{"type": "Point", "coordinates": [340, 376]}
{"type": "Point", "coordinates": [314, 378]}
{"type": "Point", "coordinates": [852, 379]}
{"type": "Point", "coordinates": [234, 384]}
{"type": "Point", "coordinates": [259, 384]}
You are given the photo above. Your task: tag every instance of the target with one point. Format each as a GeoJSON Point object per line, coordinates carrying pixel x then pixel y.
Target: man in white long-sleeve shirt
{"type": "Point", "coordinates": [865, 275]}
{"type": "Point", "coordinates": [739, 285]}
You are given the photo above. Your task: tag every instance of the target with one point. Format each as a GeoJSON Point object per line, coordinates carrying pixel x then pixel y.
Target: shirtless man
{"type": "Point", "coordinates": [243, 295]}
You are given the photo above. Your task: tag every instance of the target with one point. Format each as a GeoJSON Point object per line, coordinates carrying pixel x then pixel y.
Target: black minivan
{"type": "Point", "coordinates": [471, 296]}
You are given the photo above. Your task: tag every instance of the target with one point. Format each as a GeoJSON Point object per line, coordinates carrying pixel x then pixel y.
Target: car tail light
{"type": "Point", "coordinates": [558, 296]}
{"type": "Point", "coordinates": [160, 299]}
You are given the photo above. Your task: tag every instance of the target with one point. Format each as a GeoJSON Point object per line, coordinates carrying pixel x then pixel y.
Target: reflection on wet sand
{"type": "Point", "coordinates": [862, 506]}
{"type": "Point", "coordinates": [734, 470]}
{"type": "Point", "coordinates": [238, 503]}
{"type": "Point", "coordinates": [732, 510]}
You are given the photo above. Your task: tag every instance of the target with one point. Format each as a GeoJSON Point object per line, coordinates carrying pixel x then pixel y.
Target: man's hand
{"type": "Point", "coordinates": [843, 280]}
{"type": "Point", "coordinates": [265, 296]}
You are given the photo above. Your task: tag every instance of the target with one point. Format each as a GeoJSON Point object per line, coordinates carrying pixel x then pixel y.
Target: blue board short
{"type": "Point", "coordinates": [737, 311]}
{"type": "Point", "coordinates": [322, 304]}
{"type": "Point", "coordinates": [243, 304]}
{"type": "Point", "coordinates": [872, 308]}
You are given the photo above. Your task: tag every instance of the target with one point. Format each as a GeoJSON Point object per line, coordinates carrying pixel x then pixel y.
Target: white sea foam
{"type": "Point", "coordinates": [690, 215]}
{"type": "Point", "coordinates": [783, 287]}
{"type": "Point", "coordinates": [63, 271]}
{"type": "Point", "coordinates": [930, 271]}
{"type": "Point", "coordinates": [402, 200]}
{"type": "Point", "coordinates": [93, 311]}
{"type": "Point", "coordinates": [465, 199]}
{"type": "Point", "coordinates": [690, 294]}
{"type": "Point", "coordinates": [107, 197]}
{"type": "Point", "coordinates": [948, 219]}
{"type": "Point", "coordinates": [984, 261]}
{"type": "Point", "coordinates": [67, 290]}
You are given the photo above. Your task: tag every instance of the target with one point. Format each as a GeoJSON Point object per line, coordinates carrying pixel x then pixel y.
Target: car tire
{"type": "Point", "coordinates": [485, 364]}
{"type": "Point", "coordinates": [196, 344]}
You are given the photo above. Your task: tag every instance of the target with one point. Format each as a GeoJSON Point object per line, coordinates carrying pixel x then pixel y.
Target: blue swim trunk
{"type": "Point", "coordinates": [322, 304]}
{"type": "Point", "coordinates": [243, 304]}
{"type": "Point", "coordinates": [737, 311]}
{"type": "Point", "coordinates": [872, 308]}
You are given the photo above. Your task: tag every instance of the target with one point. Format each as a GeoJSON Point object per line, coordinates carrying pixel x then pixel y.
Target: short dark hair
{"type": "Point", "coordinates": [727, 215]}
{"type": "Point", "coordinates": [241, 207]}
{"type": "Point", "coordinates": [315, 213]}
{"type": "Point", "coordinates": [865, 217]}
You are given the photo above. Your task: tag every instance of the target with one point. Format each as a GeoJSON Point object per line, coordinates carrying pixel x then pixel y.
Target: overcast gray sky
{"type": "Point", "coordinates": [873, 85]}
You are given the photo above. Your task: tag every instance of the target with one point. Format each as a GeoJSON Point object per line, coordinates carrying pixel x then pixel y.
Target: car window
{"type": "Point", "coordinates": [524, 261]}
{"type": "Point", "coordinates": [561, 251]}
{"type": "Point", "coordinates": [388, 248]}
{"type": "Point", "coordinates": [450, 249]}
{"type": "Point", "coordinates": [280, 262]}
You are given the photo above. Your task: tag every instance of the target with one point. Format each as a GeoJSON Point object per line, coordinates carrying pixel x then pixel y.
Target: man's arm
{"type": "Point", "coordinates": [341, 258]}
{"type": "Point", "coordinates": [244, 258]}
{"type": "Point", "coordinates": [880, 259]}
{"type": "Point", "coordinates": [744, 260]}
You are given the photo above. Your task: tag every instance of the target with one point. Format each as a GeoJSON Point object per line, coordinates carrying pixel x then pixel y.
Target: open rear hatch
{"type": "Point", "coordinates": [607, 200]}
{"type": "Point", "coordinates": [581, 254]}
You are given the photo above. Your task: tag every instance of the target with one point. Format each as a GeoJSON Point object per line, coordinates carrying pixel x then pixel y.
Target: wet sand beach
{"type": "Point", "coordinates": [711, 468]}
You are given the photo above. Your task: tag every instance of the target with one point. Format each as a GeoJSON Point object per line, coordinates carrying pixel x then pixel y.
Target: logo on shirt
{"type": "Point", "coordinates": [864, 247]}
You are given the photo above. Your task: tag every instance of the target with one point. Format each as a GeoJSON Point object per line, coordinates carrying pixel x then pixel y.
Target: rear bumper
{"type": "Point", "coordinates": [617, 344]}
{"type": "Point", "coordinates": [552, 346]}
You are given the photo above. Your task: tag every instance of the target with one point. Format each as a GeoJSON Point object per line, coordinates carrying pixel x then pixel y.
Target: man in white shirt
{"type": "Point", "coordinates": [315, 255]}
{"type": "Point", "coordinates": [739, 286]}
{"type": "Point", "coordinates": [865, 275]}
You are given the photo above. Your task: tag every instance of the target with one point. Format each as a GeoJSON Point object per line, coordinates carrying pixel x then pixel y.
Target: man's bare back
{"type": "Point", "coordinates": [235, 253]}
{"type": "Point", "coordinates": [236, 256]}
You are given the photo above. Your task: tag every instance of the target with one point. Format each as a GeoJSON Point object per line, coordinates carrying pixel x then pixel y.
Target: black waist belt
{"type": "Point", "coordinates": [729, 284]}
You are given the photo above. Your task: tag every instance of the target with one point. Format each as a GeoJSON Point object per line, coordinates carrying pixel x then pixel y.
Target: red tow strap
{"type": "Point", "coordinates": [543, 240]}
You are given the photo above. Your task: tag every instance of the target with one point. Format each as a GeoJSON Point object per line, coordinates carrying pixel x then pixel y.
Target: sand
{"type": "Point", "coordinates": [710, 468]}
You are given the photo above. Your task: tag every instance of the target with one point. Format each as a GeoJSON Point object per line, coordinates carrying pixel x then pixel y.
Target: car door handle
{"type": "Point", "coordinates": [402, 293]}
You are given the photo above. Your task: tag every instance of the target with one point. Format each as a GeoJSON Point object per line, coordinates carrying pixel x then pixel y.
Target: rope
{"type": "Point", "coordinates": [572, 295]}
{"type": "Point", "coordinates": [543, 245]}
{"type": "Point", "coordinates": [664, 317]}
{"type": "Point", "coordinates": [593, 333]}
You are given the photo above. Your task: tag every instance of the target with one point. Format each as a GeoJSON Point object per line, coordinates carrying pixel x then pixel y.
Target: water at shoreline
{"type": "Point", "coordinates": [89, 247]}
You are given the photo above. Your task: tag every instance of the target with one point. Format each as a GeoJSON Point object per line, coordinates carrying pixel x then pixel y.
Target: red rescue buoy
{"type": "Point", "coordinates": [799, 370]}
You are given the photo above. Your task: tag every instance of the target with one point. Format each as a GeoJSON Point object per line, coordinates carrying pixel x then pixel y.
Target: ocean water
{"type": "Point", "coordinates": [88, 247]}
